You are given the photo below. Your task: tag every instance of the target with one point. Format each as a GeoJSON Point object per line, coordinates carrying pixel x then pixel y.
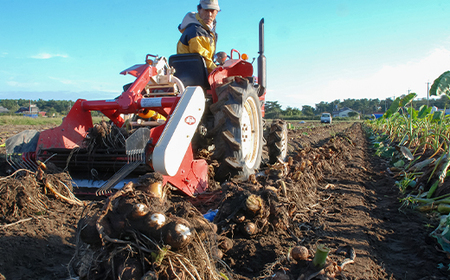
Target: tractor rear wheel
{"type": "Point", "coordinates": [277, 141]}
{"type": "Point", "coordinates": [238, 130]}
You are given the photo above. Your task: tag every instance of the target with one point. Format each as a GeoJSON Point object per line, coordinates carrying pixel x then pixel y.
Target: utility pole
{"type": "Point", "coordinates": [428, 94]}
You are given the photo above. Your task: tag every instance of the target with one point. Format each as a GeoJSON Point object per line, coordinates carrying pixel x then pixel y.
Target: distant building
{"type": "Point", "coordinates": [21, 110]}
{"type": "Point", "coordinates": [32, 109]}
{"type": "Point", "coordinates": [343, 113]}
{"type": "Point", "coordinates": [446, 111]}
{"type": "Point", "coordinates": [3, 110]}
{"type": "Point", "coordinates": [377, 115]}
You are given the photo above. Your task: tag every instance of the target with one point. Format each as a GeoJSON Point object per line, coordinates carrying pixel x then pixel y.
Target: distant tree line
{"type": "Point", "coordinates": [364, 106]}
{"type": "Point", "coordinates": [272, 108]}
{"type": "Point", "coordinates": [51, 107]}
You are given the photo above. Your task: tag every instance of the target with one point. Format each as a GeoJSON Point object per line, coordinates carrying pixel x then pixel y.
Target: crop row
{"type": "Point", "coordinates": [416, 143]}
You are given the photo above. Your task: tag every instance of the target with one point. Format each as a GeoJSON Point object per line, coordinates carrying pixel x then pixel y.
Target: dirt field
{"type": "Point", "coordinates": [343, 198]}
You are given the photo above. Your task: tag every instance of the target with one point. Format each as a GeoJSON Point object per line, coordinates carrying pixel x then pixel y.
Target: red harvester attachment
{"type": "Point", "coordinates": [172, 110]}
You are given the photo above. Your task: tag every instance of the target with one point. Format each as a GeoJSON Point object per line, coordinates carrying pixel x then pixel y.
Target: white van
{"type": "Point", "coordinates": [326, 118]}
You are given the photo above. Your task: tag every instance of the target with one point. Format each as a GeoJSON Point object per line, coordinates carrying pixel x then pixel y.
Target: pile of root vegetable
{"type": "Point", "coordinates": [267, 212]}
{"type": "Point", "coordinates": [145, 232]}
{"type": "Point", "coordinates": [26, 194]}
{"type": "Point", "coordinates": [139, 233]}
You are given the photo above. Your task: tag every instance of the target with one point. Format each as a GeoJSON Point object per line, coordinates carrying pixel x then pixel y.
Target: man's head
{"type": "Point", "coordinates": [207, 10]}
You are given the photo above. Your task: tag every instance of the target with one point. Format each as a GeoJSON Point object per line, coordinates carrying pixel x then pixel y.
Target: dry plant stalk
{"type": "Point", "coordinates": [49, 186]}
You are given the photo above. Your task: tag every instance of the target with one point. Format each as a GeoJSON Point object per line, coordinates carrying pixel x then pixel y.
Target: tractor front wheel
{"type": "Point", "coordinates": [238, 130]}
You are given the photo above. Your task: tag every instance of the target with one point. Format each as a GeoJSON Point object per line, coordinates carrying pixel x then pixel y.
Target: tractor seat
{"type": "Point", "coordinates": [190, 68]}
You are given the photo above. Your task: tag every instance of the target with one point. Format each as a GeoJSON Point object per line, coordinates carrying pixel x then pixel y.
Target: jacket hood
{"type": "Point", "coordinates": [192, 18]}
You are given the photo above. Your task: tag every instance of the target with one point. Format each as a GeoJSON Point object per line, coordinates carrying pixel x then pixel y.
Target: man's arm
{"type": "Point", "coordinates": [203, 46]}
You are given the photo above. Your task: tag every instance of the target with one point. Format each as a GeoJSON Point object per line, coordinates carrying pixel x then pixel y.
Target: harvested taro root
{"type": "Point", "coordinates": [88, 230]}
{"type": "Point", "coordinates": [152, 184]}
{"type": "Point", "coordinates": [250, 213]}
{"type": "Point", "coordinates": [300, 253]}
{"type": "Point", "coordinates": [225, 243]}
{"type": "Point", "coordinates": [135, 233]}
{"type": "Point", "coordinates": [177, 233]}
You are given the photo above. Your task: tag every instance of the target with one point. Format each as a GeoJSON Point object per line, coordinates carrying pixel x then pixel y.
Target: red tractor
{"type": "Point", "coordinates": [176, 109]}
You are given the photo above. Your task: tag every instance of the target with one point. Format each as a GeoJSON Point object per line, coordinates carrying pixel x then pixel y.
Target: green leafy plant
{"type": "Point", "coordinates": [441, 85]}
{"type": "Point", "coordinates": [417, 144]}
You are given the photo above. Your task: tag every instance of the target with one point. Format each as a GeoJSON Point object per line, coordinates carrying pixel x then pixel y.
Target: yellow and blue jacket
{"type": "Point", "coordinates": [197, 37]}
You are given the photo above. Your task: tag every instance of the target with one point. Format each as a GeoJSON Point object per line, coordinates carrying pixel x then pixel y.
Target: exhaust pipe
{"type": "Point", "coordinates": [261, 57]}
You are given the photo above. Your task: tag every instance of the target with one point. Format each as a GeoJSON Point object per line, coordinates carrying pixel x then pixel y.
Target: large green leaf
{"type": "Point", "coordinates": [441, 85]}
{"type": "Point", "coordinates": [424, 110]}
{"type": "Point", "coordinates": [442, 232]}
{"type": "Point", "coordinates": [408, 98]}
{"type": "Point", "coordinates": [392, 109]}
{"type": "Point", "coordinates": [437, 116]}
{"type": "Point", "coordinates": [398, 103]}
{"type": "Point", "coordinates": [394, 106]}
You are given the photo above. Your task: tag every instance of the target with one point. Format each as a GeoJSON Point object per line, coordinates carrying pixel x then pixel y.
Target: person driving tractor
{"type": "Point", "coordinates": [199, 32]}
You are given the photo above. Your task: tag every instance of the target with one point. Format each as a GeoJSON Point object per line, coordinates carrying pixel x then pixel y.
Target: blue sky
{"type": "Point", "coordinates": [316, 51]}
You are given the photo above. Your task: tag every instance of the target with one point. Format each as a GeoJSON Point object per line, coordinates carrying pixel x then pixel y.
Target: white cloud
{"type": "Point", "coordinates": [48, 56]}
{"type": "Point", "coordinates": [16, 84]}
{"type": "Point", "coordinates": [87, 85]}
{"type": "Point", "coordinates": [63, 81]}
{"type": "Point", "coordinates": [388, 81]}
